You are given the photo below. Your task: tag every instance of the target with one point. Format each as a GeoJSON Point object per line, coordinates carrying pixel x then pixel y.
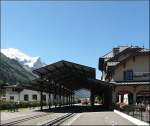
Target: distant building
{"type": "Point", "coordinates": [17, 93]}
{"type": "Point", "coordinates": [128, 68]}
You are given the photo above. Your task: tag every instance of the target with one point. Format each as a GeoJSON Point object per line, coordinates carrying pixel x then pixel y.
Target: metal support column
{"type": "Point", "coordinates": [134, 98]}
{"type": "Point", "coordinates": [63, 95]}
{"type": "Point", "coordinates": [60, 94]}
{"type": "Point", "coordinates": [134, 95]}
{"type": "Point", "coordinates": [92, 97]}
{"type": "Point", "coordinates": [41, 94]}
{"type": "Point", "coordinates": [66, 99]}
{"type": "Point", "coordinates": [55, 92]}
{"type": "Point", "coordinates": [57, 95]}
{"type": "Point", "coordinates": [41, 100]}
{"type": "Point", "coordinates": [49, 102]}
{"type": "Point", "coordinates": [69, 99]}
{"type": "Point", "coordinates": [108, 98]}
{"type": "Point", "coordinates": [49, 94]}
{"type": "Point", "coordinates": [73, 99]}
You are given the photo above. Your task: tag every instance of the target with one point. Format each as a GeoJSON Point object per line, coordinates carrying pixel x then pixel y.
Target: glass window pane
{"type": "Point", "coordinates": [26, 98]}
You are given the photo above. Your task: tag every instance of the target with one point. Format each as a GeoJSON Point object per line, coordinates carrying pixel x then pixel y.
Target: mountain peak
{"type": "Point", "coordinates": [31, 62]}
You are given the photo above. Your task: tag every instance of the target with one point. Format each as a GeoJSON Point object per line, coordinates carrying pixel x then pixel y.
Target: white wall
{"type": "Point", "coordinates": [9, 93]}
{"type": "Point", "coordinates": [20, 96]}
{"type": "Point", "coordinates": [29, 93]}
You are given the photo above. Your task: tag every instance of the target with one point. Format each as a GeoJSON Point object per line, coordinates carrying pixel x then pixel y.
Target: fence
{"type": "Point", "coordinates": [138, 112]}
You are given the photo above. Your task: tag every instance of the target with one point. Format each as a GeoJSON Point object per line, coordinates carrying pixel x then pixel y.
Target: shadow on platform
{"type": "Point", "coordinates": [76, 109]}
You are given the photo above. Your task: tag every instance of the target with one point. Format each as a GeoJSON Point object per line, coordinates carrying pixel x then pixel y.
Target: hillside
{"type": "Point", "coordinates": [13, 72]}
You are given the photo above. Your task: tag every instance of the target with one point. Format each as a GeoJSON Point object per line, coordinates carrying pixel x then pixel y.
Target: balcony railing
{"type": "Point", "coordinates": [141, 76]}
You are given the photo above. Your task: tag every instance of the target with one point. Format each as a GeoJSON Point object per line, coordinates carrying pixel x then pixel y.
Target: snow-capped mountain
{"type": "Point", "coordinates": [31, 62]}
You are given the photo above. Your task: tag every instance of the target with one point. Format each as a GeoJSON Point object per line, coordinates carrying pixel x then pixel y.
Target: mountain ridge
{"type": "Point", "coordinates": [12, 72]}
{"type": "Point", "coordinates": [22, 58]}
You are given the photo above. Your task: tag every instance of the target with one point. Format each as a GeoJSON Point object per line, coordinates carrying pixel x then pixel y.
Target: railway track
{"type": "Point", "coordinates": [23, 120]}
{"type": "Point", "coordinates": [60, 120]}
{"type": "Point", "coordinates": [56, 121]}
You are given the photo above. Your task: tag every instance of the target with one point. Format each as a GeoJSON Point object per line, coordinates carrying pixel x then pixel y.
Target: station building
{"type": "Point", "coordinates": [125, 79]}
{"type": "Point", "coordinates": [128, 68]}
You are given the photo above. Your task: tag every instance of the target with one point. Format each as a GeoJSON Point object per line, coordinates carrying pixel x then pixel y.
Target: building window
{"type": "Point", "coordinates": [34, 97]}
{"type": "Point", "coordinates": [128, 75]}
{"type": "Point", "coordinates": [11, 97]}
{"type": "Point", "coordinates": [26, 98]}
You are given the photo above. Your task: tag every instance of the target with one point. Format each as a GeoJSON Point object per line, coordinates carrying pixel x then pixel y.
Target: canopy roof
{"type": "Point", "coordinates": [64, 69]}
{"type": "Point", "coordinates": [72, 76]}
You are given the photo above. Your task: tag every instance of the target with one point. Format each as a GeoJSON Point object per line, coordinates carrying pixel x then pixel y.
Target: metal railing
{"type": "Point", "coordinates": [138, 112]}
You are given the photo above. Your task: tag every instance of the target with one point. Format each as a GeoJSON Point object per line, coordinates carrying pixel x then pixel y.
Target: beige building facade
{"type": "Point", "coordinates": [129, 70]}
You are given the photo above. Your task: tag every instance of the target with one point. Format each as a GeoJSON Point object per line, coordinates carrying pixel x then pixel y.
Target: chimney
{"type": "Point", "coordinates": [115, 51]}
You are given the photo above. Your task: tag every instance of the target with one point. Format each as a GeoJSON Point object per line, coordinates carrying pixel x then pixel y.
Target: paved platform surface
{"type": "Point", "coordinates": [6, 116]}
{"type": "Point", "coordinates": [82, 117]}
{"type": "Point", "coordinates": [22, 112]}
{"type": "Point", "coordinates": [101, 118]}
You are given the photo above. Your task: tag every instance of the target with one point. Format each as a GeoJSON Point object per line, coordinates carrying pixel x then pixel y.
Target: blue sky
{"type": "Point", "coordinates": [78, 31]}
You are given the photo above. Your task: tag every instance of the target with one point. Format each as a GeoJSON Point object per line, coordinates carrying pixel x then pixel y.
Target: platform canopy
{"type": "Point", "coordinates": [72, 76]}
